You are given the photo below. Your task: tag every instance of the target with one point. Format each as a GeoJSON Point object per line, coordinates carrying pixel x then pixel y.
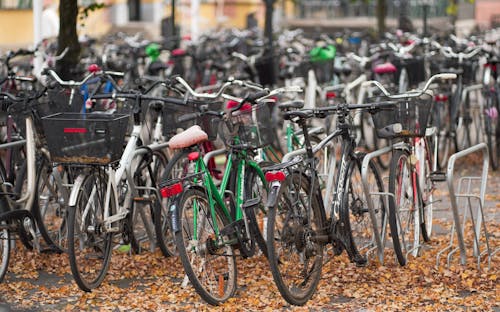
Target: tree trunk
{"type": "Point", "coordinates": [381, 14]}
{"type": "Point", "coordinates": [68, 38]}
{"type": "Point", "coordinates": [269, 50]}
{"type": "Point", "coordinates": [404, 20]}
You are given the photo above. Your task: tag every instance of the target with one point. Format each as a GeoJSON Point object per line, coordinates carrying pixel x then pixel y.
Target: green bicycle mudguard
{"type": "Point", "coordinates": [153, 51]}
{"type": "Point", "coordinates": [323, 53]}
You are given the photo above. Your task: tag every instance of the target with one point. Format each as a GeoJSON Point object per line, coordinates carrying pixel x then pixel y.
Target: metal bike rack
{"type": "Point", "coordinates": [465, 190]}
{"type": "Point", "coordinates": [379, 239]}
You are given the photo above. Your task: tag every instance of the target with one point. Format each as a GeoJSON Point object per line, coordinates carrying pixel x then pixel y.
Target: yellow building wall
{"type": "Point", "coordinates": [96, 24]}
{"type": "Point", "coordinates": [16, 28]}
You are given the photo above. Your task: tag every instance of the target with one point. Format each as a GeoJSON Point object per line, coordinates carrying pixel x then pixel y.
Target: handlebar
{"type": "Point", "coordinates": [72, 83]}
{"type": "Point", "coordinates": [227, 84]}
{"type": "Point", "coordinates": [413, 93]}
{"type": "Point", "coordinates": [17, 99]}
{"type": "Point", "coordinates": [449, 53]}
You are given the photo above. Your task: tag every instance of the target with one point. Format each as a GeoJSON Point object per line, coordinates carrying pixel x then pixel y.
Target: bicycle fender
{"type": "Point", "coordinates": [274, 190]}
{"type": "Point", "coordinates": [74, 190]}
{"type": "Point", "coordinates": [173, 210]}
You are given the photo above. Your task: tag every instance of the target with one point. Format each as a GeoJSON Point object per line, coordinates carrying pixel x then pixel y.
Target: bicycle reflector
{"type": "Point", "coordinates": [171, 190]}
{"type": "Point", "coordinates": [440, 98]}
{"type": "Point", "coordinates": [272, 176]}
{"type": "Point", "coordinates": [330, 95]}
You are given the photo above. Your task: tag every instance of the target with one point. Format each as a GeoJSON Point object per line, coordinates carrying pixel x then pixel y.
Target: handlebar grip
{"type": "Point", "coordinates": [446, 76]}
{"type": "Point", "coordinates": [188, 117]}
{"type": "Point", "coordinates": [257, 95]}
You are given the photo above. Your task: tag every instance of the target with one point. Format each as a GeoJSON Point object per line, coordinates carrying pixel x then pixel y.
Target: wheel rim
{"type": "Point", "coordinates": [90, 247]}
{"type": "Point", "coordinates": [212, 267]}
{"type": "Point", "coordinates": [298, 259]}
{"type": "Point", "coordinates": [405, 208]}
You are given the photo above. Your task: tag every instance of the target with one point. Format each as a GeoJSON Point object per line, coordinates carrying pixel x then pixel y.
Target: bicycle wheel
{"type": "Point", "coordinates": [405, 236]}
{"type": "Point", "coordinates": [208, 260]}
{"type": "Point", "coordinates": [89, 246]}
{"type": "Point", "coordinates": [492, 129]}
{"type": "Point", "coordinates": [177, 167]}
{"type": "Point", "coordinates": [355, 220]}
{"type": "Point", "coordinates": [4, 249]}
{"type": "Point", "coordinates": [295, 257]}
{"type": "Point", "coordinates": [441, 120]}
{"type": "Point", "coordinates": [426, 186]}
{"type": "Point", "coordinates": [148, 172]}
{"type": "Point", "coordinates": [463, 138]}
{"type": "Point", "coordinates": [256, 186]}
{"type": "Point", "coordinates": [49, 206]}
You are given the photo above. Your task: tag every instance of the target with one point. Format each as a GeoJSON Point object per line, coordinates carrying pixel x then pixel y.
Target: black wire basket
{"type": "Point", "coordinates": [172, 125]}
{"type": "Point", "coordinates": [408, 119]}
{"type": "Point", "coordinates": [415, 67]}
{"type": "Point", "coordinates": [85, 138]}
{"type": "Point", "coordinates": [251, 126]}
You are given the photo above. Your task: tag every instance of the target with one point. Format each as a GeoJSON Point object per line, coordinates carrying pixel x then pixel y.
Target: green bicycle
{"type": "Point", "coordinates": [211, 222]}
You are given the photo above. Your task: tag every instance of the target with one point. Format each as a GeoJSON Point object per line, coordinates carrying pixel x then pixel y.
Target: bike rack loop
{"type": "Point", "coordinates": [457, 226]}
{"type": "Point", "coordinates": [366, 188]}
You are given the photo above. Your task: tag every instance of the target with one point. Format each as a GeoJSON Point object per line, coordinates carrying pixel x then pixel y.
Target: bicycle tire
{"type": "Point", "coordinates": [224, 276]}
{"type": "Point", "coordinates": [441, 120]}
{"type": "Point", "coordinates": [4, 250]}
{"type": "Point", "coordinates": [289, 229]}
{"type": "Point", "coordinates": [492, 130]}
{"type": "Point", "coordinates": [93, 239]}
{"type": "Point", "coordinates": [463, 137]}
{"type": "Point", "coordinates": [48, 210]}
{"type": "Point", "coordinates": [148, 173]}
{"type": "Point", "coordinates": [355, 220]}
{"type": "Point", "coordinates": [255, 186]}
{"type": "Point", "coordinates": [401, 207]}
{"type": "Point", "coordinates": [177, 167]}
{"type": "Point", "coordinates": [425, 189]}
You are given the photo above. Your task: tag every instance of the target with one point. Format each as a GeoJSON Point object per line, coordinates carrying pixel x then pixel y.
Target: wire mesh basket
{"type": "Point", "coordinates": [85, 138]}
{"type": "Point", "coordinates": [58, 101]}
{"type": "Point", "coordinates": [408, 119]}
{"type": "Point", "coordinates": [415, 68]}
{"type": "Point", "coordinates": [172, 125]}
{"type": "Point", "coordinates": [252, 126]}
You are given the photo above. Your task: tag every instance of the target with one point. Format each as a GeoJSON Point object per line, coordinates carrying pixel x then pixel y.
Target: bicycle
{"type": "Point", "coordinates": [17, 203]}
{"type": "Point", "coordinates": [490, 107]}
{"type": "Point", "coordinates": [451, 117]}
{"type": "Point", "coordinates": [210, 222]}
{"type": "Point", "coordinates": [110, 185]}
{"type": "Point", "coordinates": [298, 224]}
{"type": "Point", "coordinates": [412, 167]}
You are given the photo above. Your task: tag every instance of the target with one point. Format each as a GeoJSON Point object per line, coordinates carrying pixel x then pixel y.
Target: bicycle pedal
{"type": "Point", "coordinates": [251, 203]}
{"type": "Point", "coordinates": [232, 228]}
{"type": "Point", "coordinates": [143, 200]}
{"type": "Point", "coordinates": [50, 249]}
{"type": "Point", "coordinates": [438, 176]}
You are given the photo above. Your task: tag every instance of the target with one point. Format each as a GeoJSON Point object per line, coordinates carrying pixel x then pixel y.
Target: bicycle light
{"type": "Point", "coordinates": [272, 176]}
{"type": "Point", "coordinates": [171, 190]}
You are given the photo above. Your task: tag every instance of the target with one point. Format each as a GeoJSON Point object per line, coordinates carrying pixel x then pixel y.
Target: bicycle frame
{"type": "Point", "coordinates": [126, 165]}
{"type": "Point", "coordinates": [215, 195]}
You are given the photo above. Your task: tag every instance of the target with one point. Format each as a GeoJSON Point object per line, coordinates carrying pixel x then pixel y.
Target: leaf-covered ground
{"type": "Point", "coordinates": [149, 281]}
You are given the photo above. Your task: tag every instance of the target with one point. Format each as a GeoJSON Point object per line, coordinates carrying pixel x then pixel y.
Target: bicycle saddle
{"type": "Point", "coordinates": [188, 137]}
{"type": "Point", "coordinates": [385, 68]}
{"type": "Point", "coordinates": [296, 104]}
{"type": "Point", "coordinates": [457, 71]}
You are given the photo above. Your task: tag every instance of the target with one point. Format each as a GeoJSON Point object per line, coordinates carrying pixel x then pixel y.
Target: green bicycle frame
{"type": "Point", "coordinates": [215, 195]}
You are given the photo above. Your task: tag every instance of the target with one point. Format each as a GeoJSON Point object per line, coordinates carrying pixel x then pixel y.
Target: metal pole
{"type": "Point", "coordinates": [37, 21]}
{"type": "Point", "coordinates": [195, 16]}
{"type": "Point", "coordinates": [426, 11]}
{"type": "Point", "coordinates": [173, 18]}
